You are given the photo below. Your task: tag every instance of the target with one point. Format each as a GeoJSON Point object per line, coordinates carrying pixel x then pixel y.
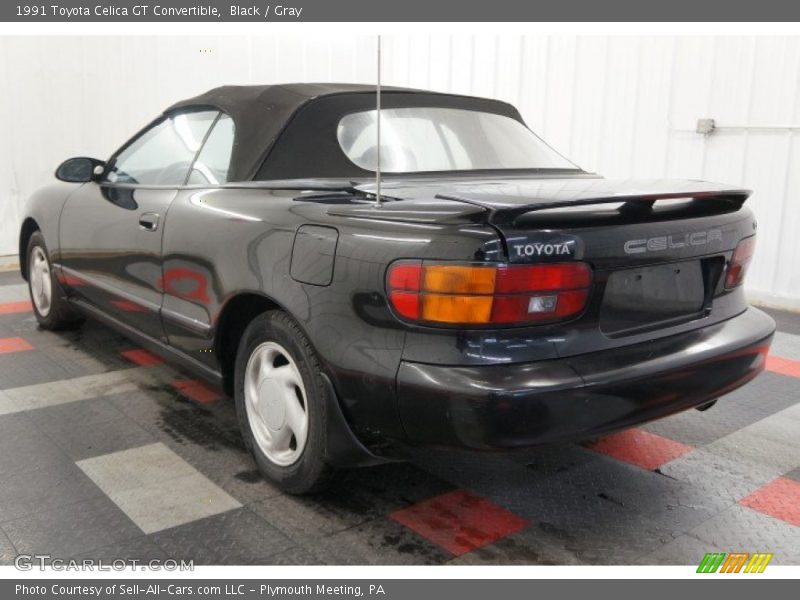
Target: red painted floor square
{"type": "Point", "coordinates": [780, 499]}
{"type": "Point", "coordinates": [783, 366]}
{"type": "Point", "coordinates": [10, 308]}
{"type": "Point", "coordinates": [641, 448]}
{"type": "Point", "coordinates": [13, 344]}
{"type": "Point", "coordinates": [459, 521]}
{"type": "Point", "coordinates": [197, 390]}
{"type": "Point", "coordinates": [143, 358]}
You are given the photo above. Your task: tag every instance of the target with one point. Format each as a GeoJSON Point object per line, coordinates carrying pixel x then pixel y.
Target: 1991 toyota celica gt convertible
{"type": "Point", "coordinates": [495, 296]}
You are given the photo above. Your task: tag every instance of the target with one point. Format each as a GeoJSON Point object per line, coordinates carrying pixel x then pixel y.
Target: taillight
{"type": "Point", "coordinates": [485, 294]}
{"type": "Point", "coordinates": [737, 268]}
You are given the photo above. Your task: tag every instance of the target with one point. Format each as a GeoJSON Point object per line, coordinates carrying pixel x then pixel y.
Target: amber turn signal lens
{"type": "Point", "coordinates": [453, 308]}
{"type": "Point", "coordinates": [483, 294]}
{"type": "Point", "coordinates": [457, 279]}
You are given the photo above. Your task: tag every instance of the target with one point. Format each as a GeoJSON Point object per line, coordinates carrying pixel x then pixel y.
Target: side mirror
{"type": "Point", "coordinates": [80, 170]}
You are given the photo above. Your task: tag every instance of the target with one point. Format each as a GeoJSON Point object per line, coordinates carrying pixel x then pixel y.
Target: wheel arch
{"type": "Point", "coordinates": [29, 227]}
{"type": "Point", "coordinates": [235, 316]}
{"type": "Point", "coordinates": [343, 448]}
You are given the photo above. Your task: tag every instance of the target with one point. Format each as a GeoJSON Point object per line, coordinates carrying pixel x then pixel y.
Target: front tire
{"type": "Point", "coordinates": [281, 403]}
{"type": "Point", "coordinates": [52, 310]}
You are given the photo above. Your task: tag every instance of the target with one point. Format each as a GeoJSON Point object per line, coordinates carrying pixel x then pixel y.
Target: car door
{"type": "Point", "coordinates": [190, 294]}
{"type": "Point", "coordinates": [111, 230]}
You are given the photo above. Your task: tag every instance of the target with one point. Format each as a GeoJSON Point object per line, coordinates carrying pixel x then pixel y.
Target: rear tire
{"type": "Point", "coordinates": [52, 310]}
{"type": "Point", "coordinates": [281, 403]}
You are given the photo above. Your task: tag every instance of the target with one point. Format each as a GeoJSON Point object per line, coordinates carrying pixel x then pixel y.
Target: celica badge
{"type": "Point", "coordinates": [674, 241]}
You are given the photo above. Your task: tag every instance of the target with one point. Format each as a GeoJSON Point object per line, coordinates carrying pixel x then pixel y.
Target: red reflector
{"type": "Point", "coordinates": [565, 276]}
{"type": "Point", "coordinates": [406, 304]}
{"type": "Point", "coordinates": [405, 276]}
{"type": "Point", "coordinates": [510, 309]}
{"type": "Point", "coordinates": [571, 303]}
{"type": "Point", "coordinates": [737, 268]}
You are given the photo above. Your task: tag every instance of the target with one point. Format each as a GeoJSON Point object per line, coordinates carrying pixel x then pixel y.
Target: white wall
{"type": "Point", "coordinates": [621, 106]}
{"type": "Point", "coordinates": [72, 96]}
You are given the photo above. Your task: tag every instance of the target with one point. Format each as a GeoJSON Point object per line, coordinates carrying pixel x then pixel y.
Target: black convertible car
{"type": "Point", "coordinates": [492, 295]}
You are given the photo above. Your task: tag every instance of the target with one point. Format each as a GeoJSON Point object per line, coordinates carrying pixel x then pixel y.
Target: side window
{"type": "Point", "coordinates": [163, 154]}
{"type": "Point", "coordinates": [211, 166]}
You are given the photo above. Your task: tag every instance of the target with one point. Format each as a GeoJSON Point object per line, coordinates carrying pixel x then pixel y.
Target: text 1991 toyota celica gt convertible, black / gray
{"type": "Point", "coordinates": [491, 294]}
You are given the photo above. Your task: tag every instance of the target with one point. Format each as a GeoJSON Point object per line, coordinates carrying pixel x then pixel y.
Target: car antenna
{"type": "Point", "coordinates": [378, 131]}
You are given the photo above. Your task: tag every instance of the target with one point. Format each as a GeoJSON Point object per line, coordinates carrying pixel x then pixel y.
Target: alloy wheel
{"type": "Point", "coordinates": [41, 284]}
{"type": "Point", "coordinates": [275, 400]}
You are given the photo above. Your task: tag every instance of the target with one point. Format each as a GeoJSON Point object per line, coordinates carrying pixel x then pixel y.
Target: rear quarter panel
{"type": "Point", "coordinates": [230, 241]}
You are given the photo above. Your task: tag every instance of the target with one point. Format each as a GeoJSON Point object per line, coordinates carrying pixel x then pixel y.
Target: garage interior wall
{"type": "Point", "coordinates": [622, 106]}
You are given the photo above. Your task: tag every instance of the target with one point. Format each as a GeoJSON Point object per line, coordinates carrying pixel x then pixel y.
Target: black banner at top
{"type": "Point", "coordinates": [398, 11]}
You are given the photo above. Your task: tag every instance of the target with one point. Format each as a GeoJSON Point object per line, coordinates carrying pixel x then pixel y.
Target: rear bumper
{"type": "Point", "coordinates": [574, 398]}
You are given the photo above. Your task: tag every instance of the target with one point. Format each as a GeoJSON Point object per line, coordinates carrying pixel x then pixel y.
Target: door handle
{"type": "Point", "coordinates": [148, 221]}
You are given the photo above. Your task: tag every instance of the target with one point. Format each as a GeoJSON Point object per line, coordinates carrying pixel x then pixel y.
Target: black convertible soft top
{"type": "Point", "coordinates": [288, 131]}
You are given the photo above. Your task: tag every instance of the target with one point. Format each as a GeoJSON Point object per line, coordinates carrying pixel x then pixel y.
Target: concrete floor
{"type": "Point", "coordinates": [107, 452]}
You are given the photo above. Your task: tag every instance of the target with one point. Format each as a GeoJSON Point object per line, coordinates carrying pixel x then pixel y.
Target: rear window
{"type": "Point", "coordinates": [421, 139]}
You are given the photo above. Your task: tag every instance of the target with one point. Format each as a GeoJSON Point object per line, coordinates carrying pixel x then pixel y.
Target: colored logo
{"type": "Point", "coordinates": [737, 562]}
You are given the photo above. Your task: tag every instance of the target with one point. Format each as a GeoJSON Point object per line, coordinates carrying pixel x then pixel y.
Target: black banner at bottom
{"type": "Point", "coordinates": [388, 589]}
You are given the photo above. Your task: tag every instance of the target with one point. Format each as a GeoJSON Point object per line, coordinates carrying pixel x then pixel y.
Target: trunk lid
{"type": "Point", "coordinates": [658, 248]}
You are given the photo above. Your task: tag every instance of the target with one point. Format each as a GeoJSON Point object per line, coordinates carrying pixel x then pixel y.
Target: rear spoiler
{"type": "Point", "coordinates": [503, 204]}
{"type": "Point", "coordinates": [501, 213]}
